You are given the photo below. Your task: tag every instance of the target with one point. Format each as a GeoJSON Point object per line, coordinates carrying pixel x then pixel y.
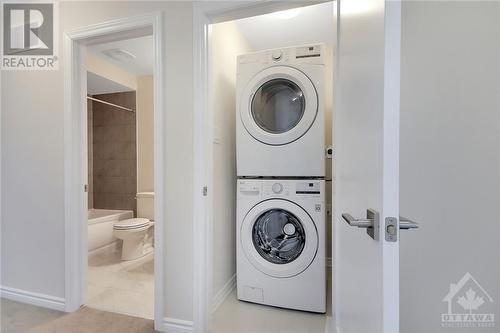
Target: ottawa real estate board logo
{"type": "Point", "coordinates": [29, 36]}
{"type": "Point", "coordinates": [468, 303]}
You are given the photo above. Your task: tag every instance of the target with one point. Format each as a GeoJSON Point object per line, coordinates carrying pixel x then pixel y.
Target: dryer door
{"type": "Point", "coordinates": [278, 105]}
{"type": "Point", "coordinates": [279, 238]}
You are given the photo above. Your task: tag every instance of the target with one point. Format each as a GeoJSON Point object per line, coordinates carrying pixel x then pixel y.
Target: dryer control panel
{"type": "Point", "coordinates": [310, 54]}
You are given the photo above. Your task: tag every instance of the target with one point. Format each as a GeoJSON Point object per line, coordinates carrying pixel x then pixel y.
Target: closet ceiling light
{"type": "Point", "coordinates": [119, 54]}
{"type": "Point", "coordinates": [285, 14]}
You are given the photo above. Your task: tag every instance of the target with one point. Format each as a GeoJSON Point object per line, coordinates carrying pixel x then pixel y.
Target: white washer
{"type": "Point", "coordinates": [281, 243]}
{"type": "Point", "coordinates": [280, 122]}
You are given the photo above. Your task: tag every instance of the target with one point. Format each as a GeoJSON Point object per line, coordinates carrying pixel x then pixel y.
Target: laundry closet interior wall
{"type": "Point", "coordinates": [227, 41]}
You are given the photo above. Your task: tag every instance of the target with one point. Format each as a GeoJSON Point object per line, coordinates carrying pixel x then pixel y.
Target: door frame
{"type": "Point", "coordinates": [75, 150]}
{"type": "Point", "coordinates": [205, 14]}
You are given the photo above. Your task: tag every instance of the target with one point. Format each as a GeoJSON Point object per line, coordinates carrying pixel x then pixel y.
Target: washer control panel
{"type": "Point", "coordinates": [276, 189]}
{"type": "Point", "coordinates": [249, 188]}
{"type": "Point", "coordinates": [308, 187]}
{"type": "Point", "coordinates": [305, 189]}
{"type": "Point", "coordinates": [276, 55]}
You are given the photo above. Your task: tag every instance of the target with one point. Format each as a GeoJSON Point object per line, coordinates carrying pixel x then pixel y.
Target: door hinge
{"type": "Point", "coordinates": [86, 188]}
{"type": "Point", "coordinates": [205, 191]}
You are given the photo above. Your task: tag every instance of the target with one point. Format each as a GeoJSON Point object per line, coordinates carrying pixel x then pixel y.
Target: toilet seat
{"type": "Point", "coordinates": [131, 224]}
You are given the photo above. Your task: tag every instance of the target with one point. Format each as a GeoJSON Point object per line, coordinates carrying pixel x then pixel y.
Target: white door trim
{"type": "Point", "coordinates": [390, 206]}
{"type": "Point", "coordinates": [205, 14]}
{"type": "Point", "coordinates": [75, 136]}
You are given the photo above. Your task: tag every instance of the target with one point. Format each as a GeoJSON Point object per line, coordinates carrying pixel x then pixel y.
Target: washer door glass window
{"type": "Point", "coordinates": [278, 236]}
{"type": "Point", "coordinates": [278, 106]}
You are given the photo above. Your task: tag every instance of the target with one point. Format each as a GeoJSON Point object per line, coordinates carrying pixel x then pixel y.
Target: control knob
{"type": "Point", "coordinates": [277, 188]}
{"type": "Point", "coordinates": [276, 55]}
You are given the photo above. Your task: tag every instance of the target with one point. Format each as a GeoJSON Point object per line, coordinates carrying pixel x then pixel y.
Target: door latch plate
{"type": "Point", "coordinates": [391, 229]}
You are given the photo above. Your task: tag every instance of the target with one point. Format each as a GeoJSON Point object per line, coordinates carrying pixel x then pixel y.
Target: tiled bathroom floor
{"type": "Point", "coordinates": [125, 287]}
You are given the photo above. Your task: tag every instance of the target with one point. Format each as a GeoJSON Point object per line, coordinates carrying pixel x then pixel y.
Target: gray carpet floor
{"type": "Point", "coordinates": [22, 318]}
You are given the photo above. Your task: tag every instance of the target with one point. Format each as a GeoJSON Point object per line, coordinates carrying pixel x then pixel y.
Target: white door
{"type": "Point", "coordinates": [366, 260]}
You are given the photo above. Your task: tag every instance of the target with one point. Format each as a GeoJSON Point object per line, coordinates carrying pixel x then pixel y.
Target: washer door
{"type": "Point", "coordinates": [278, 105]}
{"type": "Point", "coordinates": [279, 238]}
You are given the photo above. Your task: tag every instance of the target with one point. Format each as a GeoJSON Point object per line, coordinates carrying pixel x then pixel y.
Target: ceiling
{"type": "Point", "coordinates": [141, 49]}
{"type": "Point", "coordinates": [97, 84]}
{"type": "Point", "coordinates": [305, 25]}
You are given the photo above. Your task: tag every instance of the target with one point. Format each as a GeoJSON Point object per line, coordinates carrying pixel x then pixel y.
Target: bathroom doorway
{"type": "Point", "coordinates": [114, 145]}
{"type": "Point", "coordinates": [120, 191]}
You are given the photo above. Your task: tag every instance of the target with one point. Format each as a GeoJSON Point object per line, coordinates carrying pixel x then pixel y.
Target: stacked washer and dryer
{"type": "Point", "coordinates": [280, 149]}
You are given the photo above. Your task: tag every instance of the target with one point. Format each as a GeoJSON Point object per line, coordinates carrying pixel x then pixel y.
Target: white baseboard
{"type": "Point", "coordinates": [172, 325]}
{"type": "Point", "coordinates": [330, 326]}
{"type": "Point", "coordinates": [222, 294]}
{"type": "Point", "coordinates": [28, 297]}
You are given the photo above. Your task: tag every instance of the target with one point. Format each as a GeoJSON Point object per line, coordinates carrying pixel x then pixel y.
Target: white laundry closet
{"type": "Point", "coordinates": [228, 40]}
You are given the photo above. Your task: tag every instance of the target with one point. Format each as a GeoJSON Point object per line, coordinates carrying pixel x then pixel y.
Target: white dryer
{"type": "Point", "coordinates": [280, 121]}
{"type": "Point", "coordinates": [281, 243]}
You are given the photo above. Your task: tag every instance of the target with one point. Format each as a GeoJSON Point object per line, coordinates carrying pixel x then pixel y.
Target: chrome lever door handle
{"type": "Point", "coordinates": [360, 223]}
{"type": "Point", "coordinates": [405, 223]}
{"type": "Point", "coordinates": [371, 223]}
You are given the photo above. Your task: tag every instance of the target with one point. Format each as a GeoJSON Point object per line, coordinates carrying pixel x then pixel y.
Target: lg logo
{"type": "Point", "coordinates": [28, 29]}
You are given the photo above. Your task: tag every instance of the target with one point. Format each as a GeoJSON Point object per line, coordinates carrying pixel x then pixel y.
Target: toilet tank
{"type": "Point", "coordinates": [145, 205]}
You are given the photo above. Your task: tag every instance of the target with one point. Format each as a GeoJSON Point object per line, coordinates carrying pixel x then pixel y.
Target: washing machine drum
{"type": "Point", "coordinates": [278, 105]}
{"type": "Point", "coordinates": [279, 238]}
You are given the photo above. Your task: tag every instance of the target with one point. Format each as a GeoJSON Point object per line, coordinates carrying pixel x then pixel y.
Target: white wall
{"type": "Point", "coordinates": [450, 156]}
{"type": "Point", "coordinates": [227, 43]}
{"type": "Point", "coordinates": [145, 134]}
{"type": "Point", "coordinates": [32, 256]}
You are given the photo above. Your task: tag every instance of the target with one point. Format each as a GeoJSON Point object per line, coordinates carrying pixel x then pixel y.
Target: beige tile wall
{"type": "Point", "coordinates": [114, 152]}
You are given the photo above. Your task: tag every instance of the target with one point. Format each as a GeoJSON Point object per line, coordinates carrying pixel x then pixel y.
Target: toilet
{"type": "Point", "coordinates": [133, 231]}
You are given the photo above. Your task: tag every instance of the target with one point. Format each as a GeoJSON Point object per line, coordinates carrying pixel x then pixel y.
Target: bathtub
{"type": "Point", "coordinates": [100, 227]}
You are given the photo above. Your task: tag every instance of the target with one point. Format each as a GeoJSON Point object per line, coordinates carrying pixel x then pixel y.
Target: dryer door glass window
{"type": "Point", "coordinates": [278, 106]}
{"type": "Point", "coordinates": [278, 236]}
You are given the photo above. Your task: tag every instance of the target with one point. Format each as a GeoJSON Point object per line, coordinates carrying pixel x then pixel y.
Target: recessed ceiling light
{"type": "Point", "coordinates": [119, 54]}
{"type": "Point", "coordinates": [286, 14]}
